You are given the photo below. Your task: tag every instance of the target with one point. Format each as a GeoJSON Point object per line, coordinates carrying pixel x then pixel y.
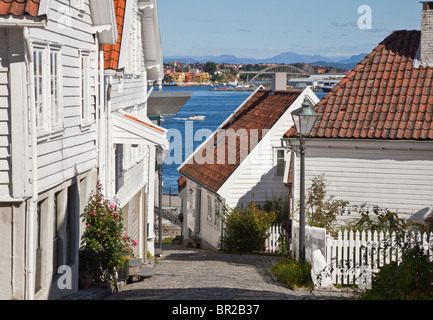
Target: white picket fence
{"type": "Point", "coordinates": [353, 257]}
{"type": "Point", "coordinates": [273, 243]}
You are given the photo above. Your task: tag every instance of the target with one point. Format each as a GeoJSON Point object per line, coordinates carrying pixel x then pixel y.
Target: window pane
{"type": "Point", "coordinates": [280, 163]}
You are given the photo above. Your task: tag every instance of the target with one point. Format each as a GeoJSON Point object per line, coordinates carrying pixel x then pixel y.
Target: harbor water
{"type": "Point", "coordinates": [186, 135]}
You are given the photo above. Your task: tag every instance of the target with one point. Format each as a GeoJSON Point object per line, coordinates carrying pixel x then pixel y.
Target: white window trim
{"type": "Point", "coordinates": [210, 210]}
{"type": "Point", "coordinates": [133, 64]}
{"type": "Point", "coordinates": [50, 128]}
{"type": "Point", "coordinates": [276, 150]}
{"type": "Point", "coordinates": [85, 91]}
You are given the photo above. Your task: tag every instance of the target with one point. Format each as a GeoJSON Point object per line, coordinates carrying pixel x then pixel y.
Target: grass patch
{"type": "Point", "coordinates": [293, 273]}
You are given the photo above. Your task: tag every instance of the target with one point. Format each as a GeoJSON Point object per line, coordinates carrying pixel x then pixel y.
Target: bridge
{"type": "Point", "coordinates": [288, 69]}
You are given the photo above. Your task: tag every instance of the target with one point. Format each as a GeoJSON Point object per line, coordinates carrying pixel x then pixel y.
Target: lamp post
{"type": "Point", "coordinates": [160, 157]}
{"type": "Point", "coordinates": [304, 119]}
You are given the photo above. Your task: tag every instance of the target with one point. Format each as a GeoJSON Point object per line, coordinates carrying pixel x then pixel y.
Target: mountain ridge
{"type": "Point", "coordinates": [285, 58]}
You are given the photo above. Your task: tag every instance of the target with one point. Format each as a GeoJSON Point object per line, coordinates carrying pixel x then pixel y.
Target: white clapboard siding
{"type": "Point", "coordinates": [4, 116]}
{"type": "Point", "coordinates": [73, 151]}
{"type": "Point", "coordinates": [392, 179]}
{"type": "Point", "coordinates": [255, 178]}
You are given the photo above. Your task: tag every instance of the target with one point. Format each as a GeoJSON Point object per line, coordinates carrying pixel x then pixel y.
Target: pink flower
{"type": "Point", "coordinates": [112, 206]}
{"type": "Point", "coordinates": [116, 215]}
{"type": "Point", "coordinates": [125, 237]}
{"type": "Point", "coordinates": [88, 224]}
{"type": "Point", "coordinates": [134, 243]}
{"type": "Point", "coordinates": [92, 213]}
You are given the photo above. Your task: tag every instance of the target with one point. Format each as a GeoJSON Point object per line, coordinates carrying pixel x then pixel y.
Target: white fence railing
{"type": "Point", "coordinates": [353, 257]}
{"type": "Point", "coordinates": [274, 242]}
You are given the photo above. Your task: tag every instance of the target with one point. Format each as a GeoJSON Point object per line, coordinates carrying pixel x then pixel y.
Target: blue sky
{"type": "Point", "coordinates": [262, 29]}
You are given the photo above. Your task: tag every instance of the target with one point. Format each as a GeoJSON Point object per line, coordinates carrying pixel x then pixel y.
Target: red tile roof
{"type": "Point", "coordinates": [383, 97]}
{"type": "Point", "coordinates": [112, 52]}
{"type": "Point", "coordinates": [181, 183]}
{"type": "Point", "coordinates": [260, 112]}
{"type": "Point", "coordinates": [19, 7]}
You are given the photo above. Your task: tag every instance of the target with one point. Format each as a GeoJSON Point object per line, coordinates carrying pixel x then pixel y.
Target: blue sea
{"type": "Point", "coordinates": [216, 106]}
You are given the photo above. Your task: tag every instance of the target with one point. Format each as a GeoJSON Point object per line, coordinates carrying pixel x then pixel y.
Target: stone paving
{"type": "Point", "coordinates": [197, 274]}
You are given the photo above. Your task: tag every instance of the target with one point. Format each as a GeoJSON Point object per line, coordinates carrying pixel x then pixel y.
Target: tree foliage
{"type": "Point", "coordinates": [246, 229]}
{"type": "Point", "coordinates": [322, 210]}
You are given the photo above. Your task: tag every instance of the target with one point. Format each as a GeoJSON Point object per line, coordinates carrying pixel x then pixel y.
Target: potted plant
{"type": "Point", "coordinates": [88, 264]}
{"type": "Point", "coordinates": [105, 236]}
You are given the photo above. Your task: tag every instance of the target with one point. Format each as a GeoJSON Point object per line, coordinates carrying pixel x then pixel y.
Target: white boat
{"type": "Point", "coordinates": [197, 117]}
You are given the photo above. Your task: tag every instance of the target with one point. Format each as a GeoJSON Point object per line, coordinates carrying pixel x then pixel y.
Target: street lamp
{"type": "Point", "coordinates": [304, 119]}
{"type": "Point", "coordinates": [160, 157]}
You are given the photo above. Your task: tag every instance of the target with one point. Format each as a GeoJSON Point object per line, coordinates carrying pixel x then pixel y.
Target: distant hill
{"type": "Point", "coordinates": [284, 58]}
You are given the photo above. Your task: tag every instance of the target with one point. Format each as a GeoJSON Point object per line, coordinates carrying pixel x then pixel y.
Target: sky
{"type": "Point", "coordinates": [263, 29]}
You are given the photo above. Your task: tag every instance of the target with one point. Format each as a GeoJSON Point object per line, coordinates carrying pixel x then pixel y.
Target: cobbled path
{"type": "Point", "coordinates": [197, 274]}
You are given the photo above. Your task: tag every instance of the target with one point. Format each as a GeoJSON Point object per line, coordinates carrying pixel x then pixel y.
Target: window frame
{"type": "Point", "coordinates": [85, 62]}
{"type": "Point", "coordinates": [48, 124]}
{"type": "Point", "coordinates": [279, 167]}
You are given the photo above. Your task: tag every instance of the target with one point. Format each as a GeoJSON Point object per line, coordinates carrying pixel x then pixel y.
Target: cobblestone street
{"type": "Point", "coordinates": [197, 274]}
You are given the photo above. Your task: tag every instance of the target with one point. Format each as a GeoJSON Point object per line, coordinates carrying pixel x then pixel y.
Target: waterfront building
{"type": "Point", "coordinates": [373, 139]}
{"type": "Point", "coordinates": [49, 102]}
{"type": "Point", "coordinates": [242, 161]}
{"type": "Point", "coordinates": [74, 110]}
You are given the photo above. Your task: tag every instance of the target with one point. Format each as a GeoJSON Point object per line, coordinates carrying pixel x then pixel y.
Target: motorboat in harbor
{"type": "Point", "coordinates": [197, 117]}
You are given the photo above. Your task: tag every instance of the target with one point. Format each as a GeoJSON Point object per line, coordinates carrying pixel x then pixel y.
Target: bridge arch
{"type": "Point", "coordinates": [288, 69]}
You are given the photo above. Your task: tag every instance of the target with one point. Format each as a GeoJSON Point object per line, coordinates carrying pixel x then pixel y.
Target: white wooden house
{"type": "Point", "coordinates": [48, 132]}
{"type": "Point", "coordinates": [129, 129]}
{"type": "Point", "coordinates": [242, 161]}
{"type": "Point", "coordinates": [73, 111]}
{"type": "Point", "coordinates": [373, 139]}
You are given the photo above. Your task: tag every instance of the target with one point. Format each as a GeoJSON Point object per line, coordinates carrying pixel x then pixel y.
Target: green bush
{"type": "Point", "coordinates": [412, 279]}
{"type": "Point", "coordinates": [246, 229]}
{"type": "Point", "coordinates": [293, 273]}
{"type": "Point", "coordinates": [105, 238]}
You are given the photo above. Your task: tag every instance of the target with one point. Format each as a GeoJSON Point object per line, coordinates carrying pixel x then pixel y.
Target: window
{"type": "Point", "coordinates": [55, 106]}
{"type": "Point", "coordinates": [280, 162]}
{"type": "Point", "coordinates": [217, 221]}
{"type": "Point", "coordinates": [134, 45]}
{"type": "Point", "coordinates": [70, 221]}
{"type": "Point", "coordinates": [47, 87]}
{"type": "Point", "coordinates": [85, 94]}
{"type": "Point", "coordinates": [210, 212]}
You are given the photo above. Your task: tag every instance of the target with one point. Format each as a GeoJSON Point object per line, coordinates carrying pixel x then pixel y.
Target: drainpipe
{"type": "Point", "coordinates": [30, 275]}
{"type": "Point", "coordinates": [108, 140]}
{"type": "Point", "coordinates": [101, 119]}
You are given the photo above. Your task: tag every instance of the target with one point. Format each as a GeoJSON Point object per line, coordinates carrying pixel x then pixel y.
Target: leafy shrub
{"type": "Point", "coordinates": [293, 273]}
{"type": "Point", "coordinates": [412, 279]}
{"type": "Point", "coordinates": [322, 210]}
{"type": "Point", "coordinates": [105, 237]}
{"type": "Point", "coordinates": [279, 205]}
{"type": "Point", "coordinates": [246, 229]}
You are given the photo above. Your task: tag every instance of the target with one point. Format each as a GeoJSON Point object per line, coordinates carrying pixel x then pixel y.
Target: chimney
{"type": "Point", "coordinates": [426, 55]}
{"type": "Point", "coordinates": [279, 81]}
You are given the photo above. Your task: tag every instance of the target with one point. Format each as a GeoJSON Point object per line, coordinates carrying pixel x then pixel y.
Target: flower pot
{"type": "Point", "coordinates": [84, 283]}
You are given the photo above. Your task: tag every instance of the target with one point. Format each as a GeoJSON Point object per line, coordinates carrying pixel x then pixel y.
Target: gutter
{"type": "Point", "coordinates": [30, 275]}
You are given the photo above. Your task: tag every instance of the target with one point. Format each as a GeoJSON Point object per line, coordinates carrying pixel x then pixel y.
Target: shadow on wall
{"type": "Point", "coordinates": [269, 187]}
{"type": "Point", "coordinates": [422, 215]}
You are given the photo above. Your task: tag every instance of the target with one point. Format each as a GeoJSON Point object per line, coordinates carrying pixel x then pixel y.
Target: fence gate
{"type": "Point", "coordinates": [274, 243]}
